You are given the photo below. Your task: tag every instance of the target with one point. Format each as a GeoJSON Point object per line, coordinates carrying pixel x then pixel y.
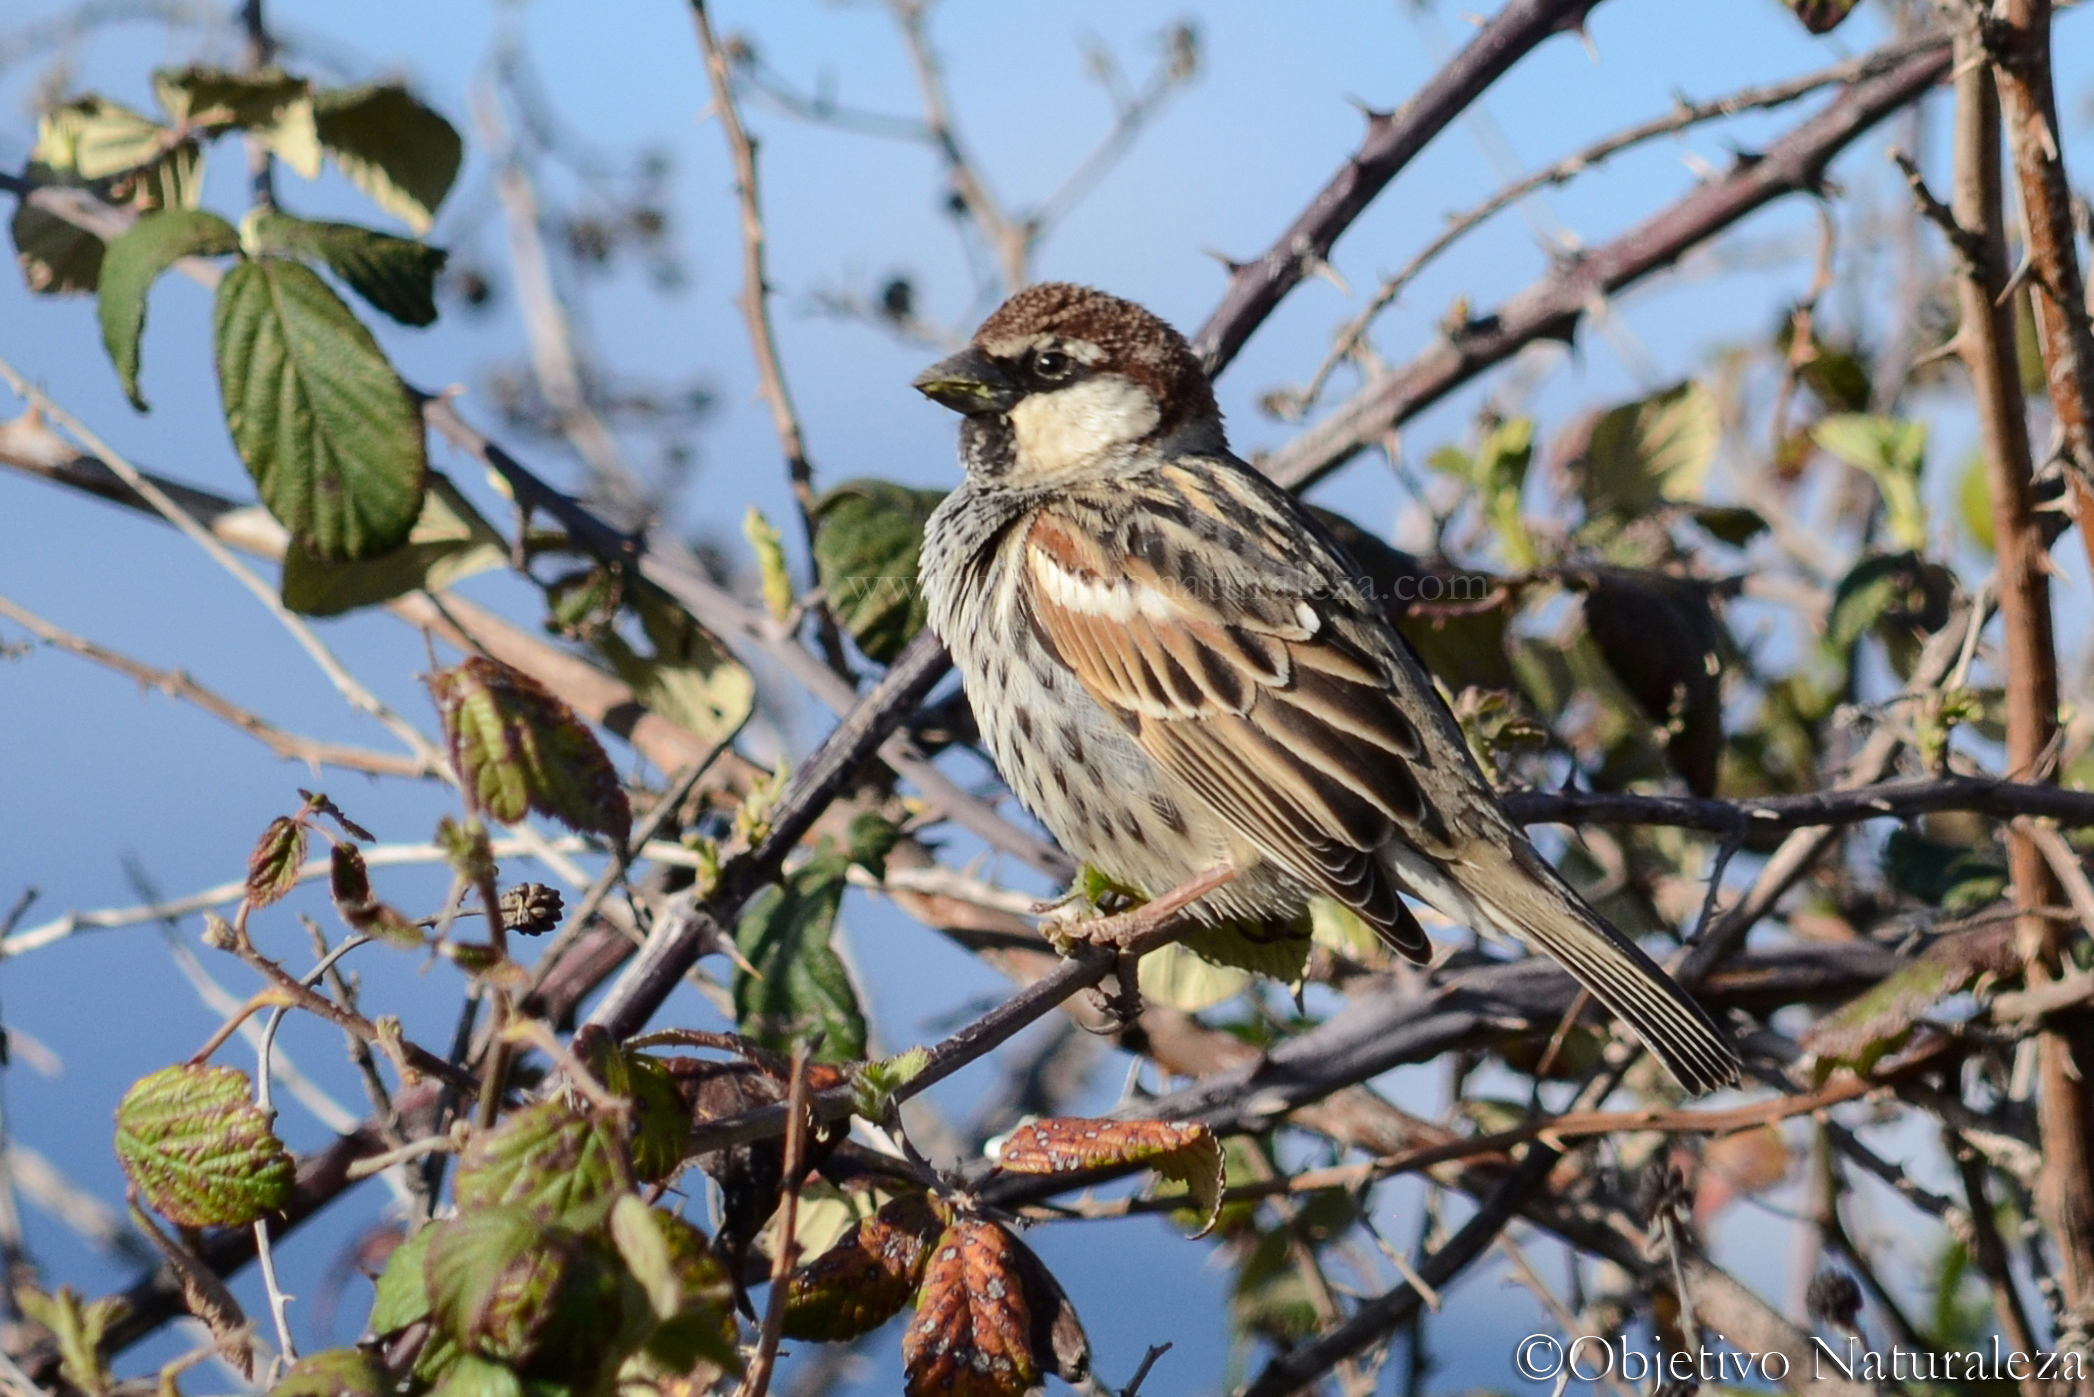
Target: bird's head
{"type": "Point", "coordinates": [1064, 383]}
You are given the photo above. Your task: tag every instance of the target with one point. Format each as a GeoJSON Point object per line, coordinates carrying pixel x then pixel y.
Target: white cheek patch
{"type": "Point", "coordinates": [1071, 427]}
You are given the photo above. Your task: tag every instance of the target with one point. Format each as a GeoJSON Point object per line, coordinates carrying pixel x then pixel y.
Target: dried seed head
{"type": "Point", "coordinates": [531, 909]}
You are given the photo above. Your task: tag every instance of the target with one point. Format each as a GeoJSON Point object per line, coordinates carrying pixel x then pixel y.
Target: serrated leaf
{"type": "Point", "coordinates": [864, 1280]}
{"type": "Point", "coordinates": [200, 1152]}
{"type": "Point", "coordinates": [784, 933]}
{"type": "Point", "coordinates": [272, 869]}
{"type": "Point", "coordinates": [451, 541]}
{"type": "Point", "coordinates": [868, 535]}
{"type": "Point", "coordinates": [547, 1158]}
{"type": "Point", "coordinates": [972, 1334]}
{"type": "Point", "coordinates": [403, 1286]}
{"type": "Point", "coordinates": [1185, 1151]}
{"type": "Point", "coordinates": [518, 748]}
{"type": "Point", "coordinates": [396, 275]}
{"type": "Point", "coordinates": [330, 435]}
{"type": "Point", "coordinates": [401, 153]}
{"type": "Point", "coordinates": [336, 1372]}
{"type": "Point", "coordinates": [1660, 637]}
{"type": "Point", "coordinates": [685, 1287]}
{"type": "Point", "coordinates": [660, 1122]}
{"type": "Point", "coordinates": [131, 264]}
{"type": "Point", "coordinates": [94, 138]}
{"type": "Point", "coordinates": [493, 1274]}
{"type": "Point", "coordinates": [873, 1084]}
{"type": "Point", "coordinates": [1640, 454]}
{"type": "Point", "coordinates": [1892, 454]}
{"type": "Point", "coordinates": [688, 679]}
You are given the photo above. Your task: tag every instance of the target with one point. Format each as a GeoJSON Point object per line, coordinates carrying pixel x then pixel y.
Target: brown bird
{"type": "Point", "coordinates": [1175, 665]}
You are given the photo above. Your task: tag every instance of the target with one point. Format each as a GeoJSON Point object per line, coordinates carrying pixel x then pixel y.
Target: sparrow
{"type": "Point", "coordinates": [1175, 665]}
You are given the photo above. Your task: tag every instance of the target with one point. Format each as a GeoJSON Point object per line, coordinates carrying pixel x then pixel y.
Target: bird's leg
{"type": "Point", "coordinates": [1155, 923]}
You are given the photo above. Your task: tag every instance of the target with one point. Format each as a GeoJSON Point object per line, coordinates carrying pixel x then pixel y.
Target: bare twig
{"type": "Point", "coordinates": [1257, 286]}
{"type": "Point", "coordinates": [176, 684]}
{"type": "Point", "coordinates": [791, 1177]}
{"type": "Point", "coordinates": [1552, 307]}
{"type": "Point", "coordinates": [1684, 116]}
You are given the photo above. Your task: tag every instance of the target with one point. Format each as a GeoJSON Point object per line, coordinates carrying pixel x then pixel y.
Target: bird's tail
{"type": "Point", "coordinates": [1509, 888]}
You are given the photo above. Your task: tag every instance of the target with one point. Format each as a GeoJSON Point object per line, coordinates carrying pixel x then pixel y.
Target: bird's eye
{"type": "Point", "coordinates": [1051, 363]}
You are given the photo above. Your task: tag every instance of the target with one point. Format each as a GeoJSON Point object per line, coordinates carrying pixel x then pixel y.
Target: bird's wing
{"type": "Point", "coordinates": [1250, 689]}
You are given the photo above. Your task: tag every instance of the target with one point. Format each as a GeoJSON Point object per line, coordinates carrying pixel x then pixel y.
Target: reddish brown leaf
{"type": "Point", "coordinates": [518, 748]}
{"type": "Point", "coordinates": [272, 869]}
{"type": "Point", "coordinates": [349, 881]}
{"type": "Point", "coordinates": [972, 1335]}
{"type": "Point", "coordinates": [864, 1280]}
{"type": "Point", "coordinates": [1182, 1150]}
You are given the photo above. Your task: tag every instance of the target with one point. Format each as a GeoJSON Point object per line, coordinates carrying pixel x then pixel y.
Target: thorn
{"type": "Point", "coordinates": [2023, 272]}
{"type": "Point", "coordinates": [1377, 117]}
{"type": "Point", "coordinates": [1231, 264]}
{"type": "Point", "coordinates": [1949, 349]}
{"type": "Point", "coordinates": [1318, 267]}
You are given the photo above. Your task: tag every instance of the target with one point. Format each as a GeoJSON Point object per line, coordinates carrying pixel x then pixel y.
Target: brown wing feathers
{"type": "Point", "coordinates": [1275, 725]}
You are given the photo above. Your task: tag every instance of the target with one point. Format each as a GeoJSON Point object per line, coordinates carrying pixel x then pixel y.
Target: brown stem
{"type": "Point", "coordinates": [1552, 307]}
{"type": "Point", "coordinates": [1986, 342]}
{"type": "Point", "coordinates": [791, 1178]}
{"type": "Point", "coordinates": [1393, 139]}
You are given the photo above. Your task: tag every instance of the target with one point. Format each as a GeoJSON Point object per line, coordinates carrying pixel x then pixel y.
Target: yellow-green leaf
{"type": "Point", "coordinates": [200, 1152]}
{"type": "Point", "coordinates": [1642, 453]}
{"type": "Point", "coordinates": [770, 563]}
{"type": "Point", "coordinates": [868, 535]}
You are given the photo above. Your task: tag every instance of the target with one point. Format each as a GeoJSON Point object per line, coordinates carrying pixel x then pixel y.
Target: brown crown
{"type": "Point", "coordinates": [1134, 342]}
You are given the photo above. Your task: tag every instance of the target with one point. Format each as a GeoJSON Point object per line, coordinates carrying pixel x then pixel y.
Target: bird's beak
{"type": "Point", "coordinates": [969, 383]}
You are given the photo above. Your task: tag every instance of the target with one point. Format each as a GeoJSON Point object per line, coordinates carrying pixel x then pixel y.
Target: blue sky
{"type": "Point", "coordinates": [90, 769]}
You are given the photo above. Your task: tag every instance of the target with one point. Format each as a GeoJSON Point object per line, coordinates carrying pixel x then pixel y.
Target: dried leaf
{"type": "Point", "coordinates": [972, 1334]}
{"type": "Point", "coordinates": [518, 748]}
{"type": "Point", "coordinates": [1661, 638]}
{"type": "Point", "coordinates": [864, 1280]}
{"type": "Point", "coordinates": [1822, 16]}
{"type": "Point", "coordinates": [199, 1150]}
{"type": "Point", "coordinates": [349, 883]}
{"type": "Point", "coordinates": [272, 869]}
{"type": "Point", "coordinates": [1185, 1151]}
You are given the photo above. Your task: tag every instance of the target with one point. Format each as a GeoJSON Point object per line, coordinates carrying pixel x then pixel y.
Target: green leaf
{"type": "Point", "coordinates": [1732, 524]}
{"type": "Point", "coordinates": [272, 105]}
{"type": "Point", "coordinates": [78, 1327]}
{"type": "Point", "coordinates": [328, 431]}
{"type": "Point", "coordinates": [396, 275]}
{"type": "Point", "coordinates": [1901, 597]}
{"type": "Point", "coordinates": [546, 1157]}
{"type": "Point", "coordinates": [518, 748]}
{"type": "Point", "coordinates": [1974, 502]}
{"type": "Point", "coordinates": [336, 1372]}
{"type": "Point", "coordinates": [403, 1287]}
{"type": "Point", "coordinates": [874, 1083]}
{"type": "Point", "coordinates": [686, 1288]}
{"type": "Point", "coordinates": [1878, 1020]}
{"type": "Point", "coordinates": [451, 541]}
{"type": "Point", "coordinates": [1641, 454]}
{"type": "Point", "coordinates": [868, 534]}
{"type": "Point", "coordinates": [784, 933]}
{"type": "Point", "coordinates": [1891, 453]}
{"type": "Point", "coordinates": [392, 147]}
{"type": "Point", "coordinates": [1957, 879]}
{"type": "Point", "coordinates": [471, 1376]}
{"type": "Point", "coordinates": [493, 1274]}
{"type": "Point", "coordinates": [95, 138]}
{"type": "Point", "coordinates": [130, 265]}
{"type": "Point", "coordinates": [688, 679]}
{"type": "Point", "coordinates": [200, 1152]}
{"type": "Point", "coordinates": [1176, 976]}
